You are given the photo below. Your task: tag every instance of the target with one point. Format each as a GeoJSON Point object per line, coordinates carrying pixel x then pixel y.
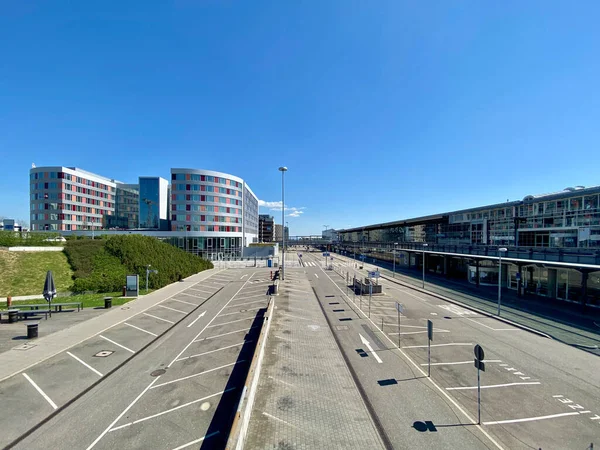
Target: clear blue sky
{"type": "Point", "coordinates": [381, 110]}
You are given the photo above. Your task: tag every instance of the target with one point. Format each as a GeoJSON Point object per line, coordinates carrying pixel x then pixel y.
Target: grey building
{"type": "Point", "coordinates": [266, 228]}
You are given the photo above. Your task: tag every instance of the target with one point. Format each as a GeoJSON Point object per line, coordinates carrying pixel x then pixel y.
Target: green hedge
{"type": "Point", "coordinates": [101, 265]}
{"type": "Point", "coordinates": [28, 239]}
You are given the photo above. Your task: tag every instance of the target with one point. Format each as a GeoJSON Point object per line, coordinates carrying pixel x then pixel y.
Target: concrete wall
{"type": "Point", "coordinates": [35, 249]}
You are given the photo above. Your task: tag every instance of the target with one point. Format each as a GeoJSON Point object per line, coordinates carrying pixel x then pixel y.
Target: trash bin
{"type": "Point", "coordinates": [107, 302]}
{"type": "Point", "coordinates": [124, 291]}
{"type": "Point", "coordinates": [12, 315]}
{"type": "Point", "coordinates": [32, 330]}
{"type": "Point", "coordinates": [269, 262]}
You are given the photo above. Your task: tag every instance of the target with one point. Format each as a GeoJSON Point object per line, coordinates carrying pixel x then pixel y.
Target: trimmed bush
{"type": "Point", "coordinates": [29, 239]}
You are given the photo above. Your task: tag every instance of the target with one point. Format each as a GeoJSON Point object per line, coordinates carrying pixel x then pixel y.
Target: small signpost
{"type": "Point", "coordinates": [399, 308]}
{"type": "Point", "coordinates": [429, 339]}
{"type": "Point", "coordinates": [326, 254]}
{"type": "Point", "coordinates": [480, 365]}
{"type": "Point", "coordinates": [370, 294]}
{"type": "Point", "coordinates": [347, 281]}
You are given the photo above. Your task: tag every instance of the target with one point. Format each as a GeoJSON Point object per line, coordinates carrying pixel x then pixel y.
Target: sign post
{"type": "Point", "coordinates": [399, 308]}
{"type": "Point", "coordinates": [370, 293]}
{"type": "Point", "coordinates": [480, 365]}
{"type": "Point", "coordinates": [347, 281]}
{"type": "Point", "coordinates": [429, 339]}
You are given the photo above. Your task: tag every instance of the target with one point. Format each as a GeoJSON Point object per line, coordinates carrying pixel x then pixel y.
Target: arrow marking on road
{"type": "Point", "coordinates": [366, 343]}
{"type": "Point", "coordinates": [196, 319]}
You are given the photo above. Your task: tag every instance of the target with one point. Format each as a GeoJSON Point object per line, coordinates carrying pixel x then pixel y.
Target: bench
{"type": "Point", "coordinates": [57, 306]}
{"type": "Point", "coordinates": [23, 314]}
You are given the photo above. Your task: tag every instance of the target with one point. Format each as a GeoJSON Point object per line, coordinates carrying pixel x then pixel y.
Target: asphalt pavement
{"type": "Point", "coordinates": [535, 392]}
{"type": "Point", "coordinates": [169, 377]}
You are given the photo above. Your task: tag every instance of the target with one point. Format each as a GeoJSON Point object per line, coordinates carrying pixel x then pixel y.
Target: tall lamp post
{"type": "Point", "coordinates": [283, 170]}
{"type": "Point", "coordinates": [394, 275]}
{"type": "Point", "coordinates": [500, 251]}
{"type": "Point", "coordinates": [424, 245]}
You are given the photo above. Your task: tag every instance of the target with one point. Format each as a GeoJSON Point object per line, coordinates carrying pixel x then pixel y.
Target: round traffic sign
{"type": "Point", "coordinates": [479, 354]}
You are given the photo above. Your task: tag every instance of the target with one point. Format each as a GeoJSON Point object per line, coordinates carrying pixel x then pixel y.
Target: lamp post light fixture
{"type": "Point", "coordinates": [283, 170]}
{"type": "Point", "coordinates": [424, 245]}
{"type": "Point", "coordinates": [394, 274]}
{"type": "Point", "coordinates": [500, 251]}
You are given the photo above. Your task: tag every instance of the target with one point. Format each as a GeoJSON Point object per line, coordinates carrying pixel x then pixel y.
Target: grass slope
{"type": "Point", "coordinates": [23, 273]}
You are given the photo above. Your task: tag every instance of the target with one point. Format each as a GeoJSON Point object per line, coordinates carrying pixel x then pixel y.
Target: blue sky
{"type": "Point", "coordinates": [381, 110]}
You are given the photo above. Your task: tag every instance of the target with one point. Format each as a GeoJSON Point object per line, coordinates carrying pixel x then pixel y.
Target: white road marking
{"type": "Point", "coordinates": [440, 345]}
{"type": "Point", "coordinates": [198, 374]}
{"type": "Point", "coordinates": [200, 290]}
{"type": "Point", "coordinates": [240, 312]}
{"type": "Point", "coordinates": [558, 396]}
{"type": "Point", "coordinates": [183, 301]}
{"type": "Point", "coordinates": [196, 319]}
{"type": "Point", "coordinates": [212, 351]}
{"type": "Point", "coordinates": [316, 275]}
{"type": "Point", "coordinates": [37, 388]}
{"type": "Point", "coordinates": [457, 310]}
{"type": "Point", "coordinates": [461, 388]}
{"type": "Point", "coordinates": [296, 317]}
{"type": "Point", "coordinates": [491, 328]}
{"type": "Point", "coordinates": [461, 362]}
{"type": "Point", "coordinates": [243, 276]}
{"type": "Point", "coordinates": [530, 419]}
{"type": "Point", "coordinates": [169, 410]}
{"type": "Point", "coordinates": [123, 413]}
{"type": "Point", "coordinates": [192, 295]}
{"type": "Point", "coordinates": [158, 318]}
{"type": "Point", "coordinates": [117, 344]}
{"type": "Point", "coordinates": [233, 321]}
{"type": "Point", "coordinates": [85, 364]}
{"type": "Point", "coordinates": [280, 420]}
{"type": "Point", "coordinates": [438, 387]}
{"type": "Point", "coordinates": [417, 332]}
{"type": "Point", "coordinates": [141, 329]}
{"type": "Point", "coordinates": [173, 309]}
{"type": "Point", "coordinates": [248, 303]}
{"type": "Point", "coordinates": [281, 381]}
{"type": "Point", "coordinates": [225, 334]}
{"type": "Point", "coordinates": [197, 440]}
{"type": "Point", "coordinates": [368, 345]}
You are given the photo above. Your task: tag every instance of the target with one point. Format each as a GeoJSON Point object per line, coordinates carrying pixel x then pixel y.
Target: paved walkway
{"type": "Point", "coordinates": [558, 319]}
{"type": "Point", "coordinates": [15, 360]}
{"type": "Point", "coordinates": [306, 396]}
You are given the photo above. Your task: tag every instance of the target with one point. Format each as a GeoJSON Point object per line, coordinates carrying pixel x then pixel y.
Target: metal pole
{"type": "Point", "coordinates": [398, 328]}
{"type": "Point", "coordinates": [428, 357]}
{"type": "Point", "coordinates": [499, 281]}
{"type": "Point", "coordinates": [147, 272]}
{"type": "Point", "coordinates": [478, 398]}
{"type": "Point", "coordinates": [370, 293]}
{"type": "Point", "coordinates": [394, 275]}
{"type": "Point", "coordinates": [423, 267]}
{"type": "Point", "coordinates": [361, 293]}
{"type": "Point", "coordinates": [283, 224]}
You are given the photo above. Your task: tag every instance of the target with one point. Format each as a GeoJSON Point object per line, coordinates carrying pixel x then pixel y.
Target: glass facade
{"type": "Point", "coordinates": [149, 203]}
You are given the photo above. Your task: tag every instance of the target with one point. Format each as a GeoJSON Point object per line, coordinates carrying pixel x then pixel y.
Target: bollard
{"type": "Point", "coordinates": [124, 291]}
{"type": "Point", "coordinates": [8, 302]}
{"type": "Point", "coordinates": [12, 315]}
{"type": "Point", "coordinates": [32, 330]}
{"type": "Point", "coordinates": [107, 302]}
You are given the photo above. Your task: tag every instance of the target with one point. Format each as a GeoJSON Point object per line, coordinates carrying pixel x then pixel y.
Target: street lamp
{"type": "Point", "coordinates": [394, 275]}
{"type": "Point", "coordinates": [283, 170]}
{"type": "Point", "coordinates": [424, 245]}
{"type": "Point", "coordinates": [500, 251]}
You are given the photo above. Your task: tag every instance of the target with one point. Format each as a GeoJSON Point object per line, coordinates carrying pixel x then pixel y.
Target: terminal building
{"type": "Point", "coordinates": [212, 214]}
{"type": "Point", "coordinates": [549, 243]}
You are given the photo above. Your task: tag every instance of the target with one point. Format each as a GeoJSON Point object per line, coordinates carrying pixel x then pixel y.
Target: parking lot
{"type": "Point", "coordinates": [535, 392]}
{"type": "Point", "coordinates": [227, 307]}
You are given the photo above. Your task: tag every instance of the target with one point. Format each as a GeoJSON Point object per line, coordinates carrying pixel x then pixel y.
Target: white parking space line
{"type": "Point", "coordinates": [184, 302]}
{"type": "Point", "coordinates": [462, 388]}
{"type": "Point", "coordinates": [243, 276]}
{"type": "Point", "coordinates": [247, 303]}
{"type": "Point", "coordinates": [530, 419]}
{"type": "Point", "coordinates": [84, 363]}
{"type": "Point", "coordinates": [316, 275]}
{"type": "Point", "coordinates": [192, 295]}
{"type": "Point", "coordinates": [212, 351]}
{"type": "Point", "coordinates": [117, 344]}
{"type": "Point", "coordinates": [141, 329]}
{"type": "Point", "coordinates": [454, 363]}
{"type": "Point", "coordinates": [418, 332]}
{"type": "Point", "coordinates": [170, 410]}
{"type": "Point", "coordinates": [196, 441]}
{"type": "Point", "coordinates": [199, 290]}
{"type": "Point", "coordinates": [491, 328]}
{"type": "Point", "coordinates": [173, 309]}
{"type": "Point", "coordinates": [158, 318]}
{"type": "Point", "coordinates": [240, 312]}
{"type": "Point", "coordinates": [245, 330]}
{"type": "Point", "coordinates": [233, 321]}
{"type": "Point", "coordinates": [197, 374]}
{"type": "Point", "coordinates": [440, 345]}
{"type": "Point", "coordinates": [37, 388]}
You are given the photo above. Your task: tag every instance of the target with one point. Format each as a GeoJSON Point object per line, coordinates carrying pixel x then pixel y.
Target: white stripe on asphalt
{"type": "Point", "coordinates": [197, 374]}
{"type": "Point", "coordinates": [233, 321]}
{"type": "Point", "coordinates": [439, 345]}
{"type": "Point", "coordinates": [158, 318]}
{"type": "Point", "coordinates": [530, 419]}
{"type": "Point", "coordinates": [417, 332]}
{"type": "Point", "coordinates": [245, 330]}
{"type": "Point", "coordinates": [84, 363]}
{"type": "Point", "coordinates": [461, 388]}
{"type": "Point", "coordinates": [173, 309]}
{"type": "Point", "coordinates": [247, 303]}
{"type": "Point", "coordinates": [240, 312]}
{"type": "Point", "coordinates": [169, 410]}
{"type": "Point", "coordinates": [116, 343]}
{"type": "Point", "coordinates": [183, 301]}
{"type": "Point", "coordinates": [192, 295]}
{"type": "Point", "coordinates": [197, 440]}
{"type": "Point", "coordinates": [141, 329]}
{"type": "Point", "coordinates": [37, 388]}
{"type": "Point", "coordinates": [461, 362]}
{"type": "Point", "coordinates": [491, 328]}
{"type": "Point", "coordinates": [212, 351]}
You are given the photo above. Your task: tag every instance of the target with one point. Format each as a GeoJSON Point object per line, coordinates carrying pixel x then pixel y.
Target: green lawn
{"type": "Point", "coordinates": [23, 273]}
{"type": "Point", "coordinates": [89, 300]}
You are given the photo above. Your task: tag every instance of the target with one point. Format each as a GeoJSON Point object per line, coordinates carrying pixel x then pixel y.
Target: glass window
{"type": "Point", "coordinates": [590, 202]}
{"type": "Point", "coordinates": [575, 204]}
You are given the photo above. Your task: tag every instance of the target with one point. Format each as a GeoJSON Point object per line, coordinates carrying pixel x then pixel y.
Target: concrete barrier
{"type": "Point", "coordinates": [35, 249]}
{"type": "Point", "coordinates": [239, 428]}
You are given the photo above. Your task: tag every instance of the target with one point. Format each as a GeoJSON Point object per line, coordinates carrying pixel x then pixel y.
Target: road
{"type": "Point", "coordinates": [536, 392]}
{"type": "Point", "coordinates": [179, 390]}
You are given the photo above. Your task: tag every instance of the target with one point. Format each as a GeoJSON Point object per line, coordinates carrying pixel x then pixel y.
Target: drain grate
{"type": "Point", "coordinates": [338, 310]}
{"type": "Point", "coordinates": [345, 319]}
{"type": "Point", "coordinates": [24, 347]}
{"type": "Point", "coordinates": [104, 353]}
